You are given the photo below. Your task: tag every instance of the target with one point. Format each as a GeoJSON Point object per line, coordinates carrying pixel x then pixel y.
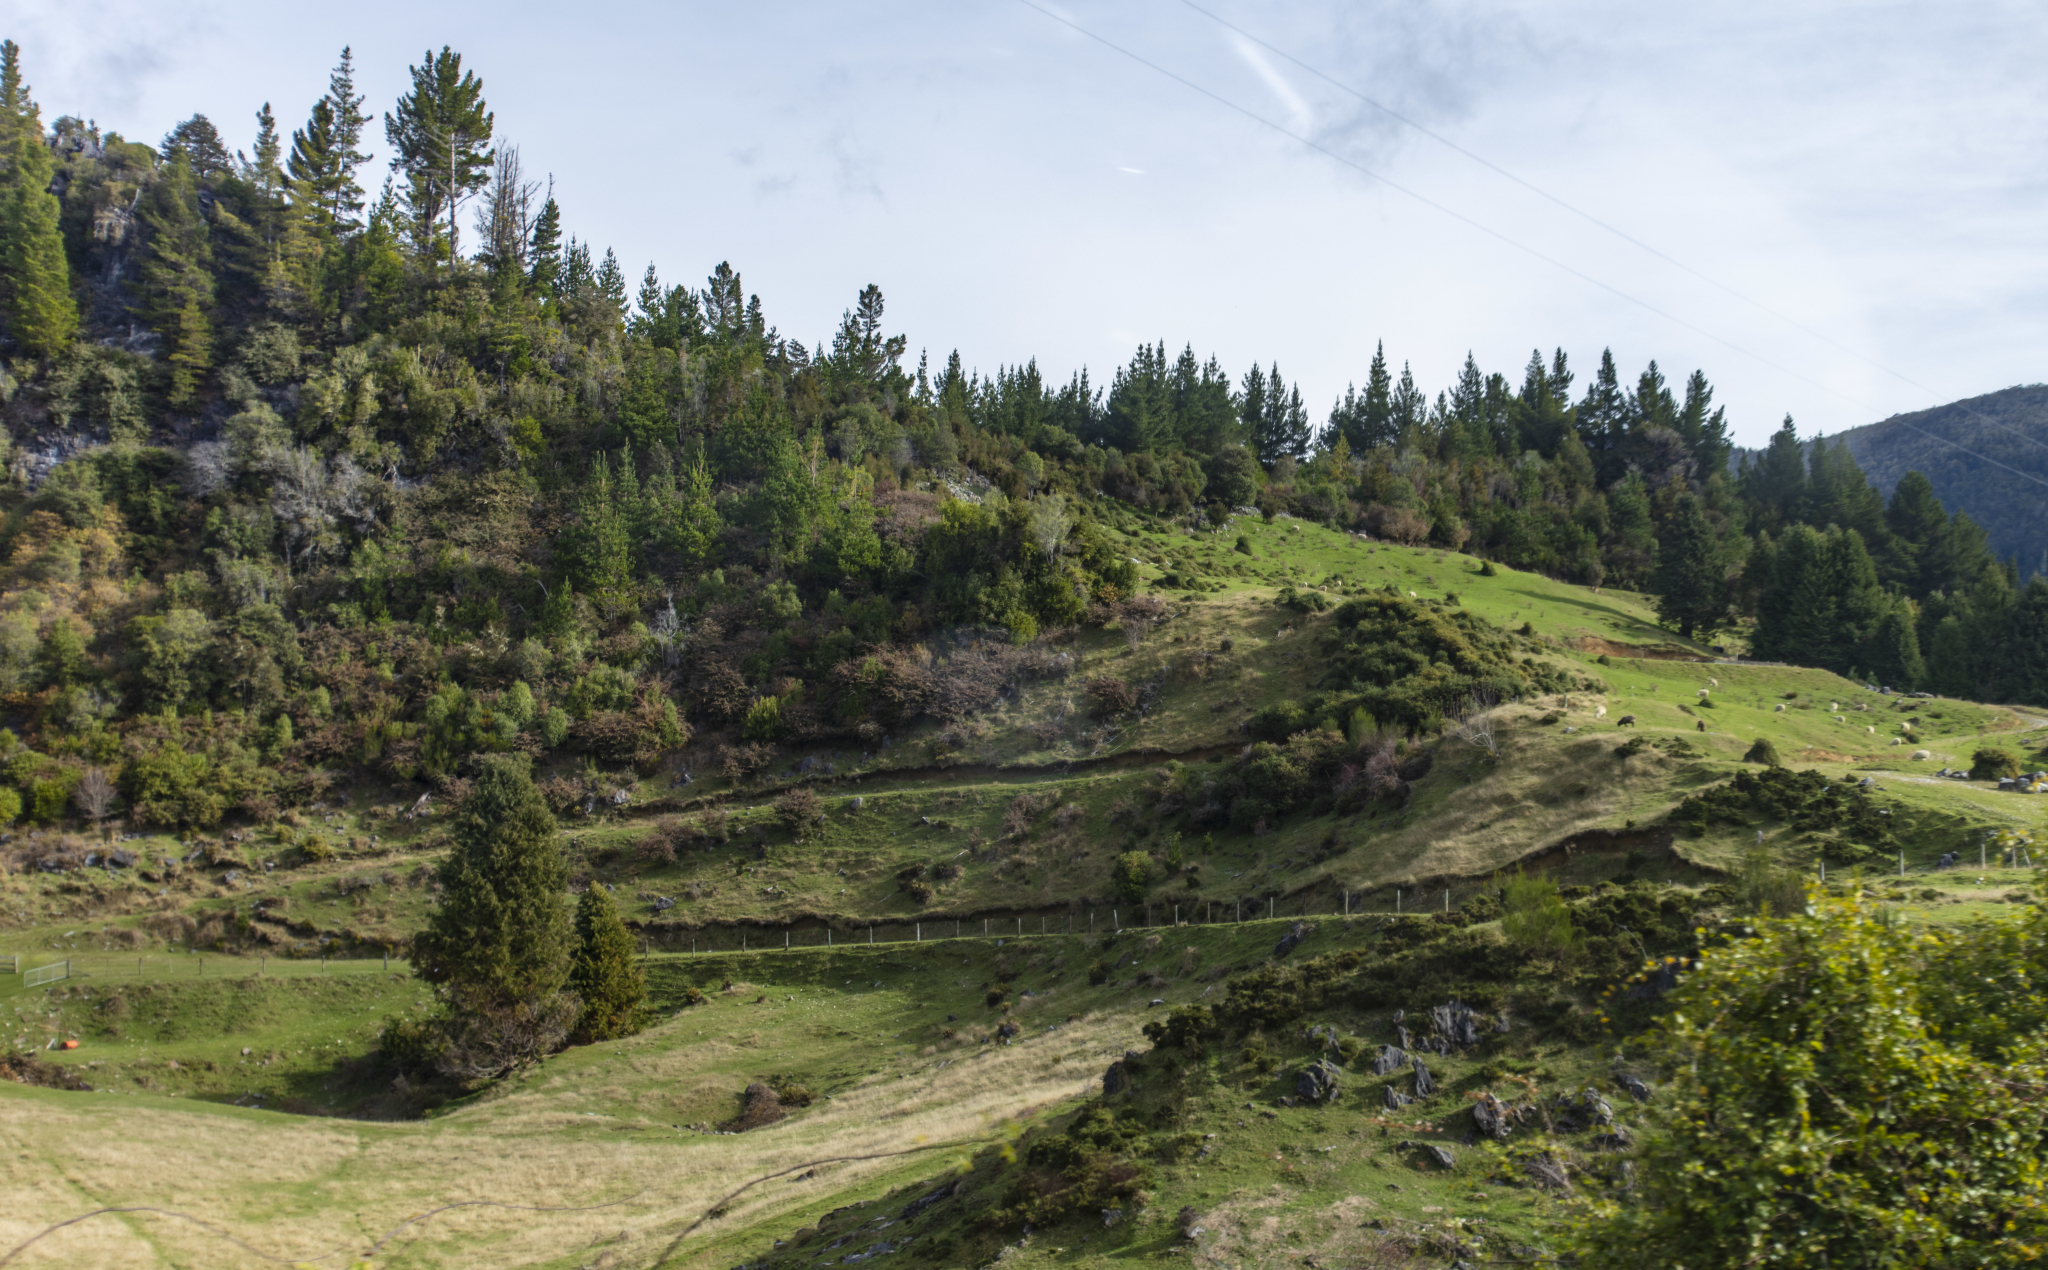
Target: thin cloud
{"type": "Point", "coordinates": [1297, 106]}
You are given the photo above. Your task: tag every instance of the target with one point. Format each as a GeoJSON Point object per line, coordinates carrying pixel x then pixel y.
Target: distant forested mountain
{"type": "Point", "coordinates": [2009, 427]}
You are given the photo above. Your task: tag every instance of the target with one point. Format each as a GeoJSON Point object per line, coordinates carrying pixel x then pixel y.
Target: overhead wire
{"type": "Point", "coordinates": [1431, 203]}
{"type": "Point", "coordinates": [1622, 234]}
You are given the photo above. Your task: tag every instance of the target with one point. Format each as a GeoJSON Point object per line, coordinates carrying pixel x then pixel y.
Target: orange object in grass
{"type": "Point", "coordinates": [71, 1045]}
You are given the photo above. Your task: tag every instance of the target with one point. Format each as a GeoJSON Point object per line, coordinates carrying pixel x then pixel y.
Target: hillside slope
{"type": "Point", "coordinates": [2009, 427]}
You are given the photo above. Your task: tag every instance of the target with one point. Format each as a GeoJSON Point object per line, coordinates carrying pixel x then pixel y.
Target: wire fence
{"type": "Point", "coordinates": [188, 967]}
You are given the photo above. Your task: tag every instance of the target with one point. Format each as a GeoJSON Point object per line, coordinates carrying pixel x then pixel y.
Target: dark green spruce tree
{"type": "Point", "coordinates": [604, 975]}
{"type": "Point", "coordinates": [498, 946]}
{"type": "Point", "coordinates": [1689, 582]}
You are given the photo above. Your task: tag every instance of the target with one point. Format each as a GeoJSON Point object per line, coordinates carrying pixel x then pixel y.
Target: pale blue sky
{"type": "Point", "coordinates": [1872, 172]}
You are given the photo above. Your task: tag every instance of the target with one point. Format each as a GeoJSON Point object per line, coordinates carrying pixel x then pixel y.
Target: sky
{"type": "Point", "coordinates": [1834, 210]}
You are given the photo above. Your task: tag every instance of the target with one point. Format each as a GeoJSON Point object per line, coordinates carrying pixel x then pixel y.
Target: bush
{"type": "Point", "coordinates": [1764, 753]}
{"type": "Point", "coordinates": [764, 720]}
{"type": "Point", "coordinates": [799, 809]}
{"type": "Point", "coordinates": [1130, 874]}
{"type": "Point", "coordinates": [10, 806]}
{"type": "Point", "coordinates": [1992, 763]}
{"type": "Point", "coordinates": [1486, 569]}
{"type": "Point", "coordinates": [1535, 919]}
{"type": "Point", "coordinates": [1112, 696]}
{"type": "Point", "coordinates": [1244, 545]}
{"type": "Point", "coordinates": [1904, 1140]}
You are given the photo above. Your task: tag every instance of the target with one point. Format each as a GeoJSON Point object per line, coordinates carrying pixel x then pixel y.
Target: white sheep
{"type": "Point", "coordinates": [1713, 682]}
{"type": "Point", "coordinates": [1599, 712]}
{"type": "Point", "coordinates": [1778, 709]}
{"type": "Point", "coordinates": [1703, 692]}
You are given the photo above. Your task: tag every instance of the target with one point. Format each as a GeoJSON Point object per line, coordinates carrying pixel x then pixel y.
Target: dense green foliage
{"type": "Point", "coordinates": [1842, 820]}
{"type": "Point", "coordinates": [1846, 1090]}
{"type": "Point", "coordinates": [498, 948]}
{"type": "Point", "coordinates": [604, 973]}
{"type": "Point", "coordinates": [401, 483]}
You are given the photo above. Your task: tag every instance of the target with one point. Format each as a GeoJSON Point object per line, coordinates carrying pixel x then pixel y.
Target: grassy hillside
{"type": "Point", "coordinates": [214, 1034]}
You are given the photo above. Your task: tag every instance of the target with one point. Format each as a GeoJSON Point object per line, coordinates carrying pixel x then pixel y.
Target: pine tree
{"type": "Point", "coordinates": [264, 172]}
{"type": "Point", "coordinates": [325, 157]}
{"type": "Point", "coordinates": [1410, 405]}
{"type": "Point", "coordinates": [1689, 582]}
{"type": "Point", "coordinates": [1893, 654]}
{"type": "Point", "coordinates": [204, 151]}
{"type": "Point", "coordinates": [1776, 482]}
{"type": "Point", "coordinates": [1821, 604]}
{"type": "Point", "coordinates": [544, 248]}
{"type": "Point", "coordinates": [604, 974]}
{"type": "Point", "coordinates": [177, 281]}
{"type": "Point", "coordinates": [35, 277]}
{"type": "Point", "coordinates": [1376, 418]}
{"type": "Point", "coordinates": [499, 944]}
{"type": "Point", "coordinates": [441, 134]}
{"type": "Point", "coordinates": [1602, 419]}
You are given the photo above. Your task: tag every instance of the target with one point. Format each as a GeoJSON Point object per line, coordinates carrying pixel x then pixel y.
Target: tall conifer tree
{"type": "Point", "coordinates": [35, 277]}
{"type": "Point", "coordinates": [603, 974]}
{"type": "Point", "coordinates": [440, 136]}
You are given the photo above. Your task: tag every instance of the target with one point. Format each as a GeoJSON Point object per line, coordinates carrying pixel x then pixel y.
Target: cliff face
{"type": "Point", "coordinates": [2008, 428]}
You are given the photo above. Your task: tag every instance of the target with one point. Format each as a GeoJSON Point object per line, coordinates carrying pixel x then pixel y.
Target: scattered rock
{"type": "Point", "coordinates": [1115, 1079]}
{"type": "Point", "coordinates": [1636, 1089]}
{"type": "Point", "coordinates": [1492, 1117]}
{"type": "Point", "coordinates": [1547, 1171]}
{"type": "Point", "coordinates": [1455, 1023]}
{"type": "Point", "coordinates": [1425, 1085]}
{"type": "Point", "coordinates": [1396, 1100]}
{"type": "Point", "coordinates": [663, 903]}
{"type": "Point", "coordinates": [1391, 1059]}
{"type": "Point", "coordinates": [1007, 1030]}
{"type": "Point", "coordinates": [1292, 939]}
{"type": "Point", "coordinates": [1318, 1081]}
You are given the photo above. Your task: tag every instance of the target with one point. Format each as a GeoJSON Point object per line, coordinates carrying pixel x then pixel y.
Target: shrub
{"type": "Point", "coordinates": [1486, 569]}
{"type": "Point", "coordinates": [10, 806]}
{"type": "Point", "coordinates": [1112, 696]}
{"type": "Point", "coordinates": [1905, 1139]}
{"type": "Point", "coordinates": [1130, 874]}
{"type": "Point", "coordinates": [799, 809]}
{"type": "Point", "coordinates": [1992, 762]}
{"type": "Point", "coordinates": [1244, 545]}
{"type": "Point", "coordinates": [1098, 973]}
{"type": "Point", "coordinates": [1763, 753]}
{"type": "Point", "coordinates": [1535, 919]}
{"type": "Point", "coordinates": [764, 720]}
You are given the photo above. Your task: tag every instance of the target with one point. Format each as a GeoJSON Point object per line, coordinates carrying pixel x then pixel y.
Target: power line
{"type": "Point", "coordinates": [1587, 216]}
{"type": "Point", "coordinates": [1967, 450]}
{"type": "Point", "coordinates": [1431, 203]}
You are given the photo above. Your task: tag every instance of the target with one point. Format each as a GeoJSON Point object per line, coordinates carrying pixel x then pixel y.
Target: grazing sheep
{"type": "Point", "coordinates": [1625, 721]}
{"type": "Point", "coordinates": [1703, 692]}
{"type": "Point", "coordinates": [1599, 712]}
{"type": "Point", "coordinates": [1713, 682]}
{"type": "Point", "coordinates": [1778, 709]}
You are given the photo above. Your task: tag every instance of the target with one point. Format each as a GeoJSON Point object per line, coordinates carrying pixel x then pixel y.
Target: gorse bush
{"type": "Point", "coordinates": [1845, 1091]}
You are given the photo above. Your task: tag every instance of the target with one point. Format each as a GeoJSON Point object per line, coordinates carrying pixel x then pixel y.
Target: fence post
{"type": "Point", "coordinates": [785, 939]}
{"type": "Point", "coordinates": [1902, 864]}
{"type": "Point", "coordinates": [871, 934]}
{"type": "Point", "coordinates": [1270, 902]}
{"type": "Point", "coordinates": [1397, 901]}
{"type": "Point", "coordinates": [919, 938]}
{"type": "Point", "coordinates": [1020, 928]}
{"type": "Point", "coordinates": [1447, 899]}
